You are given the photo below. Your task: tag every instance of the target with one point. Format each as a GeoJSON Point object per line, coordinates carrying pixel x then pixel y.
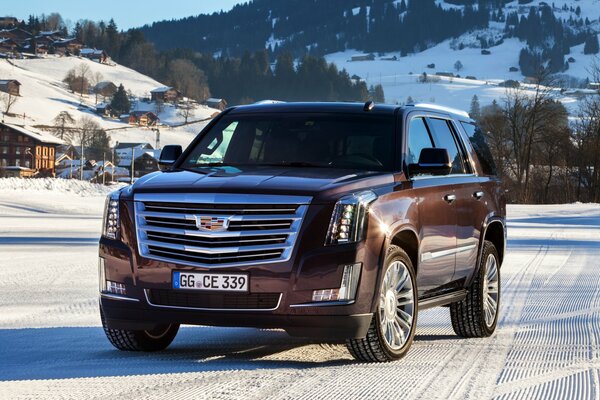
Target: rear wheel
{"type": "Point", "coordinates": [477, 314]}
{"type": "Point", "coordinates": [393, 326]}
{"type": "Point", "coordinates": [156, 339]}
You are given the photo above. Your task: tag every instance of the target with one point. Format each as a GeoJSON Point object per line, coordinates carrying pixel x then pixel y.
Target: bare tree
{"type": "Point", "coordinates": [188, 79]}
{"type": "Point", "coordinates": [95, 78]}
{"type": "Point", "coordinates": [528, 115]}
{"type": "Point", "coordinates": [62, 124]}
{"type": "Point", "coordinates": [8, 100]}
{"type": "Point", "coordinates": [187, 109]}
{"type": "Point", "coordinates": [78, 79]}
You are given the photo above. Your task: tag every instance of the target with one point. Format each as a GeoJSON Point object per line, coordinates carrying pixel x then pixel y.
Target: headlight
{"type": "Point", "coordinates": [349, 218]}
{"type": "Point", "coordinates": [110, 227]}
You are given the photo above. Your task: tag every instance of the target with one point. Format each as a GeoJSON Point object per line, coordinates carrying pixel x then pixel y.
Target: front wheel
{"type": "Point", "coordinates": [393, 326]}
{"type": "Point", "coordinates": [156, 339]}
{"type": "Point", "coordinates": [477, 315]}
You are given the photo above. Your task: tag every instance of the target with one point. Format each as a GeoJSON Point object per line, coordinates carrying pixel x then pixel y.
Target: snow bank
{"type": "Point", "coordinates": [66, 186]}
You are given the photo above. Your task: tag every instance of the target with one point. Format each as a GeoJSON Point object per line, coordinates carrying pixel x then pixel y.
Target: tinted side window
{"type": "Point", "coordinates": [418, 139]}
{"type": "Point", "coordinates": [444, 138]}
{"type": "Point", "coordinates": [481, 148]}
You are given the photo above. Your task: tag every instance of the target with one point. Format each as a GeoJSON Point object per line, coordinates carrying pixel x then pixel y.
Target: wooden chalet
{"type": "Point", "coordinates": [105, 88]}
{"type": "Point", "coordinates": [219, 104]}
{"type": "Point", "coordinates": [104, 110]}
{"type": "Point", "coordinates": [165, 94]}
{"type": "Point", "coordinates": [95, 55]}
{"type": "Point", "coordinates": [67, 46]}
{"type": "Point", "coordinates": [26, 148]}
{"type": "Point", "coordinates": [10, 86]}
{"type": "Point", "coordinates": [143, 118]}
{"type": "Point", "coordinates": [8, 45]}
{"type": "Point", "coordinates": [20, 36]}
{"type": "Point", "coordinates": [8, 22]}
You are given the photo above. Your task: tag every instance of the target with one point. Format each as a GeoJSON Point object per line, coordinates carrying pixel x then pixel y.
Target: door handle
{"type": "Point", "coordinates": [478, 195]}
{"type": "Point", "coordinates": [449, 198]}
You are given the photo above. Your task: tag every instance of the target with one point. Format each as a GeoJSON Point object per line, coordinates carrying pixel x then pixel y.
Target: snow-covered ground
{"type": "Point", "coordinates": [44, 95]}
{"type": "Point", "coordinates": [51, 344]}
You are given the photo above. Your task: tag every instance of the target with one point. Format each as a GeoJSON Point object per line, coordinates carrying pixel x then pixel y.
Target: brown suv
{"type": "Point", "coordinates": [334, 221]}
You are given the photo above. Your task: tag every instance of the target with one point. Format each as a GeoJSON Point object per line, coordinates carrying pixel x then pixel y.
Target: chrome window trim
{"type": "Point", "coordinates": [213, 309]}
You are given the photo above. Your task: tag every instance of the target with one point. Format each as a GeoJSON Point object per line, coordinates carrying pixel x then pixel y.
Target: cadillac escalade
{"type": "Point", "coordinates": [334, 221]}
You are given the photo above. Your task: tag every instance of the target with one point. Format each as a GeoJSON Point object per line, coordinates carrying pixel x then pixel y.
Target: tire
{"type": "Point", "coordinates": [128, 340]}
{"type": "Point", "coordinates": [393, 326]}
{"type": "Point", "coordinates": [471, 317]}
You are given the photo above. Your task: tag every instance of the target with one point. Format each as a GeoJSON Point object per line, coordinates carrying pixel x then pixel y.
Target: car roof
{"type": "Point", "coordinates": [341, 107]}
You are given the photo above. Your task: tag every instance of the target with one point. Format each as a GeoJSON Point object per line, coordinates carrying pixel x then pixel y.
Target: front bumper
{"type": "Point", "coordinates": [295, 280]}
{"type": "Point", "coordinates": [125, 314]}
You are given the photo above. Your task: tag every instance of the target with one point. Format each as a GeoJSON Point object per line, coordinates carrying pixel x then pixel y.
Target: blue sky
{"type": "Point", "coordinates": [126, 13]}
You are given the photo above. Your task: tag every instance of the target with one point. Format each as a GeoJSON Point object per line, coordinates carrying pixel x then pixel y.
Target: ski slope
{"type": "Point", "coordinates": [547, 345]}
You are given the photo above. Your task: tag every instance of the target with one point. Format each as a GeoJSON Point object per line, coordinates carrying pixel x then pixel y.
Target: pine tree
{"type": "Point", "coordinates": [475, 111]}
{"type": "Point", "coordinates": [591, 44]}
{"type": "Point", "coordinates": [120, 101]}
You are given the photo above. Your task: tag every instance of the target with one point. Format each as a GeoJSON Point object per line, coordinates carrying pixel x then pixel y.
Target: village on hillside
{"type": "Point", "coordinates": [56, 150]}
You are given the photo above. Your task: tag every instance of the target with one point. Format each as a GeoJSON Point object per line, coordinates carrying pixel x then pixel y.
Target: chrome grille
{"type": "Point", "coordinates": [256, 228]}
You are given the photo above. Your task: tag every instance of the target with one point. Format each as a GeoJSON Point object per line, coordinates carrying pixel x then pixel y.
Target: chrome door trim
{"type": "Point", "coordinates": [437, 254]}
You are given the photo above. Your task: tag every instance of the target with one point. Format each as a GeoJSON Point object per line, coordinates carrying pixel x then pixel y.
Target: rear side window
{"type": "Point", "coordinates": [418, 139]}
{"type": "Point", "coordinates": [477, 139]}
{"type": "Point", "coordinates": [444, 138]}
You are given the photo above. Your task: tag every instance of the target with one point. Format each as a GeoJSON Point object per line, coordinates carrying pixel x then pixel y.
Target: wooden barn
{"type": "Point", "coordinates": [10, 86]}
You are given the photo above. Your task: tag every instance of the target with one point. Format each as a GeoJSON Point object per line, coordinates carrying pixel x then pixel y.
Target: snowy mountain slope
{"type": "Point", "coordinates": [44, 95]}
{"type": "Point", "coordinates": [400, 78]}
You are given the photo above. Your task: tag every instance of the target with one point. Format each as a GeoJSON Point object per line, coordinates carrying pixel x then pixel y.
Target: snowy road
{"type": "Point", "coordinates": [547, 345]}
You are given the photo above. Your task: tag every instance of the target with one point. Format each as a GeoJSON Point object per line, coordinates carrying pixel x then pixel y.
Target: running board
{"type": "Point", "coordinates": [442, 300]}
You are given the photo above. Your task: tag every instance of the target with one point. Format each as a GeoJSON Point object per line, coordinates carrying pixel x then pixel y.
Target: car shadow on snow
{"type": "Point", "coordinates": [73, 352]}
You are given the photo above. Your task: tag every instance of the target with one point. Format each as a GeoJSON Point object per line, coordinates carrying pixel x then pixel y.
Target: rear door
{"type": "Point", "coordinates": [437, 214]}
{"type": "Point", "coordinates": [468, 197]}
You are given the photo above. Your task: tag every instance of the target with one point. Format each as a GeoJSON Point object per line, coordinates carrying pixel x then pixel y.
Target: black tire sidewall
{"type": "Point", "coordinates": [488, 249]}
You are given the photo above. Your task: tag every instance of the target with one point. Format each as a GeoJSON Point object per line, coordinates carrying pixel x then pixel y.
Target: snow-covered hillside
{"type": "Point", "coordinates": [44, 95]}
{"type": "Point", "coordinates": [399, 75]}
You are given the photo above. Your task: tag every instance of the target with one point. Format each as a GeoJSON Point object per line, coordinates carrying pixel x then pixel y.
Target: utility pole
{"type": "Point", "coordinates": [81, 162]}
{"type": "Point", "coordinates": [132, 163]}
{"type": "Point", "coordinates": [104, 168]}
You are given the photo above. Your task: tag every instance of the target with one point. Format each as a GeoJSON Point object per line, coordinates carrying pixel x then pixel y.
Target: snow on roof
{"type": "Point", "coordinates": [87, 51]}
{"type": "Point", "coordinates": [125, 155]}
{"type": "Point", "coordinates": [161, 89]}
{"type": "Point", "coordinates": [35, 134]}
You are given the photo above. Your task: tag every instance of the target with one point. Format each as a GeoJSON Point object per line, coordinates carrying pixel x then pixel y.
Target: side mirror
{"type": "Point", "coordinates": [168, 156]}
{"type": "Point", "coordinates": [432, 162]}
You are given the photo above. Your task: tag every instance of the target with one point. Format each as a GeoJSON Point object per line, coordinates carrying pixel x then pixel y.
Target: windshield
{"type": "Point", "coordinates": [298, 140]}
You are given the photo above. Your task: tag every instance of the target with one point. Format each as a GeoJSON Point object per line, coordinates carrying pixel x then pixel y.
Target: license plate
{"type": "Point", "coordinates": [210, 281]}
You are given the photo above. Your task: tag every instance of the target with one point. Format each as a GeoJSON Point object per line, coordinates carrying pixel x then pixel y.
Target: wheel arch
{"type": "Point", "coordinates": [407, 239]}
{"type": "Point", "coordinates": [495, 232]}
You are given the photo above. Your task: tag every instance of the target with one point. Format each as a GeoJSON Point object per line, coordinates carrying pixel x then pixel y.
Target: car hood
{"type": "Point", "coordinates": [320, 183]}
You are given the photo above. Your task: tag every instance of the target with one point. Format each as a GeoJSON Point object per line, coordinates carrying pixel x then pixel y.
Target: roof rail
{"type": "Point", "coordinates": [442, 108]}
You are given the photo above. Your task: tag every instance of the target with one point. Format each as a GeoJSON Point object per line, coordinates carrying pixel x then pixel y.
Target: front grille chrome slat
{"type": "Point", "coordinates": [216, 230]}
